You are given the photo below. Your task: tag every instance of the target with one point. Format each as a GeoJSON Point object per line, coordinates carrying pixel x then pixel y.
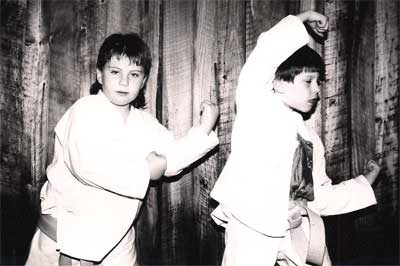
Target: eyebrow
{"type": "Point", "coordinates": [136, 70]}
{"type": "Point", "coordinates": [311, 75]}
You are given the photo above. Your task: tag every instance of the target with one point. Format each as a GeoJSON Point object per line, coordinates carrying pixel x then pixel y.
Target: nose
{"type": "Point", "coordinates": [315, 88]}
{"type": "Point", "coordinates": [124, 80]}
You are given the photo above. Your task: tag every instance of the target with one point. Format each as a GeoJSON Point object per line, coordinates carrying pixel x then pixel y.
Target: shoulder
{"type": "Point", "coordinates": [92, 108]}
{"type": "Point", "coordinates": [87, 103]}
{"type": "Point", "coordinates": [145, 115]}
{"type": "Point", "coordinates": [316, 140]}
{"type": "Point", "coordinates": [82, 110]}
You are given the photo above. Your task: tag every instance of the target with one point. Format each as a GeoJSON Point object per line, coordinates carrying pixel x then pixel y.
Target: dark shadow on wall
{"type": "Point", "coordinates": [353, 243]}
{"type": "Point", "coordinates": [18, 223]}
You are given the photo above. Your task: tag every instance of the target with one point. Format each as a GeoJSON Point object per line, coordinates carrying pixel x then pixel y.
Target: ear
{"type": "Point", "coordinates": [278, 86]}
{"type": "Point", "coordinates": [144, 82]}
{"type": "Point", "coordinates": [99, 76]}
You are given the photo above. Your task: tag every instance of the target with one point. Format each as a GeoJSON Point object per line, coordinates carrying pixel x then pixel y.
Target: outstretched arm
{"type": "Point", "coordinates": [346, 196]}
{"type": "Point", "coordinates": [172, 156]}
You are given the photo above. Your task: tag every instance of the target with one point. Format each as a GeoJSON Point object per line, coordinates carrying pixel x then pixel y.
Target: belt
{"type": "Point", "coordinates": [313, 250]}
{"type": "Point", "coordinates": [48, 225]}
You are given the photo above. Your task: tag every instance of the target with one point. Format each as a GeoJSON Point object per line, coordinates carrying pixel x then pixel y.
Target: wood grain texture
{"type": "Point", "coordinates": [148, 223]}
{"type": "Point", "coordinates": [231, 48]}
{"type": "Point", "coordinates": [335, 113]}
{"type": "Point", "coordinates": [387, 84]}
{"type": "Point", "coordinates": [387, 92]}
{"type": "Point", "coordinates": [24, 90]}
{"type": "Point", "coordinates": [207, 239]}
{"type": "Point", "coordinates": [176, 208]}
{"type": "Point", "coordinates": [262, 15]}
{"type": "Point", "coordinates": [13, 146]}
{"type": "Point", "coordinates": [361, 92]}
{"type": "Point", "coordinates": [48, 52]}
{"type": "Point", "coordinates": [336, 122]}
{"type": "Point", "coordinates": [35, 84]}
{"type": "Point", "coordinates": [64, 63]}
{"type": "Point", "coordinates": [314, 121]}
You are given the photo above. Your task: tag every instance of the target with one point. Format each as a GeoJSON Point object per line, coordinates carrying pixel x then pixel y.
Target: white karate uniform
{"type": "Point", "coordinates": [99, 176]}
{"type": "Point", "coordinates": [253, 188]}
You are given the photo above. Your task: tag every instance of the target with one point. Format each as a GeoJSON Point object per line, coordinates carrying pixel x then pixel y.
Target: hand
{"type": "Point", "coordinates": [294, 216]}
{"type": "Point", "coordinates": [157, 164]}
{"type": "Point", "coordinates": [208, 116]}
{"type": "Point", "coordinates": [319, 23]}
{"type": "Point", "coordinates": [372, 170]}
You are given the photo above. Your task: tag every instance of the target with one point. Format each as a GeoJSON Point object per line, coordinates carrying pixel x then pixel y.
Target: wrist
{"type": "Point", "coordinates": [371, 177]}
{"type": "Point", "coordinates": [302, 16]}
{"type": "Point", "coordinates": [205, 128]}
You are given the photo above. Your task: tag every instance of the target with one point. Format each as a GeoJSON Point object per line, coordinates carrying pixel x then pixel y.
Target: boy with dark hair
{"type": "Point", "coordinates": [276, 170]}
{"type": "Point", "coordinates": [107, 149]}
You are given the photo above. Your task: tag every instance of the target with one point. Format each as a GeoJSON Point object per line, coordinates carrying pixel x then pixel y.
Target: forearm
{"type": "Point", "coordinates": [188, 149]}
{"type": "Point", "coordinates": [347, 196]}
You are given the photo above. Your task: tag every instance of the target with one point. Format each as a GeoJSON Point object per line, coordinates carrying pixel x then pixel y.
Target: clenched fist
{"type": "Point", "coordinates": [372, 170]}
{"type": "Point", "coordinates": [157, 165]}
{"type": "Point", "coordinates": [318, 22]}
{"type": "Point", "coordinates": [208, 116]}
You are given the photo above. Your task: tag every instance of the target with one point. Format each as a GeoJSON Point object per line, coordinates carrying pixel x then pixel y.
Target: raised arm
{"type": "Point", "coordinates": [273, 47]}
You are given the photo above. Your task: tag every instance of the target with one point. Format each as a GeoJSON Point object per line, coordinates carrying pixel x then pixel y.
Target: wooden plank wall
{"type": "Point", "coordinates": [48, 52]}
{"type": "Point", "coordinates": [24, 110]}
{"type": "Point", "coordinates": [387, 119]}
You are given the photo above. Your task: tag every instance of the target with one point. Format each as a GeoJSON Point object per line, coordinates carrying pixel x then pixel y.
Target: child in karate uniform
{"type": "Point", "coordinates": [107, 149]}
{"type": "Point", "coordinates": [276, 162]}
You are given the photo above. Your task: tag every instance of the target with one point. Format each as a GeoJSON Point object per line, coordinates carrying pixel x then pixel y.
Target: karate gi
{"type": "Point", "coordinates": [253, 188]}
{"type": "Point", "coordinates": [99, 177]}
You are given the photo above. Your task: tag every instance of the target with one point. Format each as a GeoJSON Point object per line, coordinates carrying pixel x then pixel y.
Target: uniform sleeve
{"type": "Point", "coordinates": [273, 47]}
{"type": "Point", "coordinates": [181, 152]}
{"type": "Point", "coordinates": [254, 184]}
{"type": "Point", "coordinates": [100, 157]}
{"type": "Point", "coordinates": [347, 196]}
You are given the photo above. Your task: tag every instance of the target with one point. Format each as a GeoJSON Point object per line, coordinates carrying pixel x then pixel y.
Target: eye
{"type": "Point", "coordinates": [135, 75]}
{"type": "Point", "coordinates": [114, 72]}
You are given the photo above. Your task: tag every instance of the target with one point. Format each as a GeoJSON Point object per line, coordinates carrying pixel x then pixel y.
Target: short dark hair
{"type": "Point", "coordinates": [304, 59]}
{"type": "Point", "coordinates": [132, 46]}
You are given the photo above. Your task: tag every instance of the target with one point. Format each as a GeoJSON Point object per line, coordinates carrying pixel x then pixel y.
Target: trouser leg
{"type": "Point", "coordinates": [245, 246]}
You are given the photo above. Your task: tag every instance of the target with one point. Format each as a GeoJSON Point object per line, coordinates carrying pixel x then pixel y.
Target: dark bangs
{"type": "Point", "coordinates": [304, 59]}
{"type": "Point", "coordinates": [130, 45]}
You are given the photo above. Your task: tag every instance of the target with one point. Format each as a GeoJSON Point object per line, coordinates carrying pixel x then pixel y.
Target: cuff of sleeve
{"type": "Point", "coordinates": [211, 138]}
{"type": "Point", "coordinates": [369, 194]}
{"type": "Point", "coordinates": [142, 183]}
{"type": "Point", "coordinates": [290, 26]}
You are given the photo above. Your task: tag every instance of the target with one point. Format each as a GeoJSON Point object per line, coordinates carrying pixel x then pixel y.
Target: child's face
{"type": "Point", "coordinates": [302, 94]}
{"type": "Point", "coordinates": [121, 80]}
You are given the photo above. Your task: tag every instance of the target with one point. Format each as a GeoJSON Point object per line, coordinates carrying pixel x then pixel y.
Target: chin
{"type": "Point", "coordinates": [121, 103]}
{"type": "Point", "coordinates": [306, 113]}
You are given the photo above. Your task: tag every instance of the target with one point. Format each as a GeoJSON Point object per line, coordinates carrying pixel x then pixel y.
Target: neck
{"type": "Point", "coordinates": [124, 111]}
{"type": "Point", "coordinates": [281, 97]}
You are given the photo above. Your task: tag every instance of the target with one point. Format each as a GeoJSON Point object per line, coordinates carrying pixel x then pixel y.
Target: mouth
{"type": "Point", "coordinates": [121, 92]}
{"type": "Point", "coordinates": [313, 101]}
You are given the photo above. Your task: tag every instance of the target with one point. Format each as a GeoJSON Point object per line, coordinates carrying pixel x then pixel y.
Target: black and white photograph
{"type": "Point", "coordinates": [199, 132]}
